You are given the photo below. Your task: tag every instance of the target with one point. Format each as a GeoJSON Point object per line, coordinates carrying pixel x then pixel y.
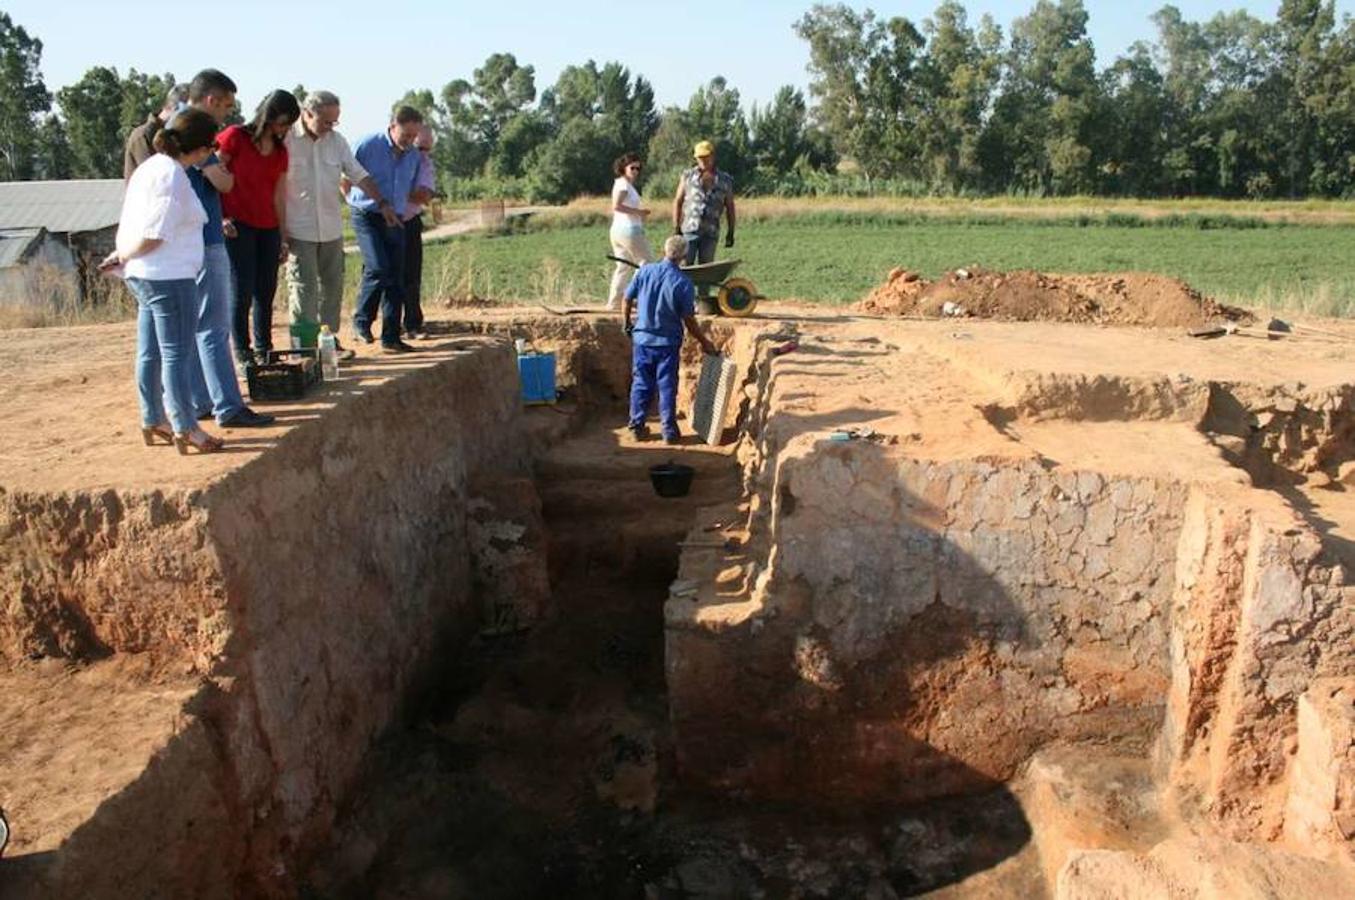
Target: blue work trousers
{"type": "Point", "coordinates": [653, 367]}
{"type": "Point", "coordinates": [215, 387]}
{"type": "Point", "coordinates": [383, 266]}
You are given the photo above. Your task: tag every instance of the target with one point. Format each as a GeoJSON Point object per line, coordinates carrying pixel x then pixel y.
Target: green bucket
{"type": "Point", "coordinates": [305, 334]}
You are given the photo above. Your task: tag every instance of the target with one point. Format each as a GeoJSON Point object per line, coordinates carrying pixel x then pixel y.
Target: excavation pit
{"type": "Point", "coordinates": [1066, 606]}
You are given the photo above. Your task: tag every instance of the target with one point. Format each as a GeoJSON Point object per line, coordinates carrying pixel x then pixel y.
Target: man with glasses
{"type": "Point", "coordinates": [318, 157]}
{"type": "Point", "coordinates": [393, 162]}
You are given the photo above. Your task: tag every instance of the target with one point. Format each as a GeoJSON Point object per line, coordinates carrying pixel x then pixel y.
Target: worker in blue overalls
{"type": "Point", "coordinates": [662, 300]}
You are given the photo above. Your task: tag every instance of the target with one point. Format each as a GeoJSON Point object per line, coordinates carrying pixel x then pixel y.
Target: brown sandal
{"type": "Point", "coordinates": [204, 444]}
{"type": "Point", "coordinates": [149, 434]}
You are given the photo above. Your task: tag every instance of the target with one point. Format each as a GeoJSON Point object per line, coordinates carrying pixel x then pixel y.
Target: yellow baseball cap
{"type": "Point", "coordinates": [705, 148]}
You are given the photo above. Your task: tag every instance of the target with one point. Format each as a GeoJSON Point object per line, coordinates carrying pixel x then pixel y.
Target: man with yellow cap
{"type": "Point", "coordinates": [704, 193]}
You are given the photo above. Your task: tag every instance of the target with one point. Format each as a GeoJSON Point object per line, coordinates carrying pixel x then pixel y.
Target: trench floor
{"type": "Point", "coordinates": [543, 767]}
{"type": "Point", "coordinates": [72, 736]}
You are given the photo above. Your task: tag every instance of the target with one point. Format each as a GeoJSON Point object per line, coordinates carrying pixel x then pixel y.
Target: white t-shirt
{"type": "Point", "coordinates": [160, 204]}
{"type": "Point", "coordinates": [624, 192]}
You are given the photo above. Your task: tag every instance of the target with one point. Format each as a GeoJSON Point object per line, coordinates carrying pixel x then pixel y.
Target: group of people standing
{"type": "Point", "coordinates": [659, 302]}
{"type": "Point", "coordinates": [210, 214]}
{"type": "Point", "coordinates": [704, 195]}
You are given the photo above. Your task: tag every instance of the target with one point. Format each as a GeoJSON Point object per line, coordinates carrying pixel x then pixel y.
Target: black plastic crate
{"type": "Point", "coordinates": [287, 375]}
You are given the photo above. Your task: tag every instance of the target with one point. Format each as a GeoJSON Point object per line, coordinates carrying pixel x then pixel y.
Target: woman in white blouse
{"type": "Point", "coordinates": [159, 252]}
{"type": "Point", "coordinates": [628, 226]}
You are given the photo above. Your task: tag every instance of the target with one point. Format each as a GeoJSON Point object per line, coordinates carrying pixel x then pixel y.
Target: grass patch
{"type": "Point", "coordinates": [1005, 209]}
{"type": "Point", "coordinates": [53, 300]}
{"type": "Point", "coordinates": [836, 256]}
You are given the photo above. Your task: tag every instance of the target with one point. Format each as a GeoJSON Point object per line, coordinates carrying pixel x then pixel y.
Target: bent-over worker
{"type": "Point", "coordinates": [663, 300]}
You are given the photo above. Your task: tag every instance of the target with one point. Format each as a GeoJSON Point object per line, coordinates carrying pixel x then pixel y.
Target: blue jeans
{"type": "Point", "coordinates": [165, 323]}
{"type": "Point", "coordinates": [700, 249]}
{"type": "Point", "coordinates": [215, 387]}
{"type": "Point", "coordinates": [255, 255]}
{"type": "Point", "coordinates": [383, 263]}
{"type": "Point", "coordinates": [653, 367]}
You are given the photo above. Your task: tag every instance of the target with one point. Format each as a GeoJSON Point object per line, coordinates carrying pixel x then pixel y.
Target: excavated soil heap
{"type": "Point", "coordinates": [1131, 298]}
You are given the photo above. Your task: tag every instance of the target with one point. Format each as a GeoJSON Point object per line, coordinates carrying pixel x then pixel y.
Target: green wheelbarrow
{"type": "Point", "coordinates": [736, 297]}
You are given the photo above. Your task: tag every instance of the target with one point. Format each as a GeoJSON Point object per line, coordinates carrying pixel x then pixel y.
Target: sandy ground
{"type": "Point", "coordinates": [71, 425]}
{"type": "Point", "coordinates": [99, 726]}
{"type": "Point", "coordinates": [72, 422]}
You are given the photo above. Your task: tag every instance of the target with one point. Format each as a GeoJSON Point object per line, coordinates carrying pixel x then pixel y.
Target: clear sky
{"type": "Point", "coordinates": [370, 53]}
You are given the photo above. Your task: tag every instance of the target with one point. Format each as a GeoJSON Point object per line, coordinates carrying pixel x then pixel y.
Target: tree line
{"type": "Point", "coordinates": [1234, 106]}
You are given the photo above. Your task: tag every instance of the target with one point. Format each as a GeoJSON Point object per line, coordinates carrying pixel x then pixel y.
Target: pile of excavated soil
{"type": "Point", "coordinates": [897, 296]}
{"type": "Point", "coordinates": [1131, 298]}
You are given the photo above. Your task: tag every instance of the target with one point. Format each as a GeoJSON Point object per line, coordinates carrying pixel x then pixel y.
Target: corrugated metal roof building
{"type": "Point", "coordinates": [17, 243]}
{"type": "Point", "coordinates": [52, 233]}
{"type": "Point", "coordinates": [37, 268]}
{"type": "Point", "coordinates": [61, 207]}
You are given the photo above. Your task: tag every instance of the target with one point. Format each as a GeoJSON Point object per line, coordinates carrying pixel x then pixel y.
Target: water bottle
{"type": "Point", "coordinates": [329, 354]}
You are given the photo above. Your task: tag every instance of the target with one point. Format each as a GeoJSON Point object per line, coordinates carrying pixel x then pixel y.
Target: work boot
{"type": "Point", "coordinates": [639, 432]}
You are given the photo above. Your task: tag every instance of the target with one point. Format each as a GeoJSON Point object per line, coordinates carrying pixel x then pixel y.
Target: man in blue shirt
{"type": "Point", "coordinates": [216, 392]}
{"type": "Point", "coordinates": [664, 302]}
{"type": "Point", "coordinates": [392, 161]}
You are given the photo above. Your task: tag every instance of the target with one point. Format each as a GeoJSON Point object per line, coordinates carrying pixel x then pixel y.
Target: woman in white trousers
{"type": "Point", "coordinates": [628, 226]}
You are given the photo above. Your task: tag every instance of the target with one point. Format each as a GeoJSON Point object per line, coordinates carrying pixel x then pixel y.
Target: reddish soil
{"type": "Point", "coordinates": [1130, 298]}
{"type": "Point", "coordinates": [548, 763]}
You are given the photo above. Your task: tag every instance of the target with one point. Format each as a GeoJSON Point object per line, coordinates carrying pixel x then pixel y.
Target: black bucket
{"type": "Point", "coordinates": [671, 479]}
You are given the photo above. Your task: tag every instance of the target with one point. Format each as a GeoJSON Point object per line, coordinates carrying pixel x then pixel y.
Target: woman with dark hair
{"type": "Point", "coordinates": [159, 252]}
{"type": "Point", "coordinates": [256, 155]}
{"type": "Point", "coordinates": [628, 226]}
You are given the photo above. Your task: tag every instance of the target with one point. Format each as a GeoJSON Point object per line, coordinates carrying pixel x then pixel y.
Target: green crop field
{"type": "Point", "coordinates": [836, 257]}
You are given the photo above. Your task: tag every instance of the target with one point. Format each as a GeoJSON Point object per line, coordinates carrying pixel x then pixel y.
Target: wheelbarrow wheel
{"type": "Point", "coordinates": [738, 298]}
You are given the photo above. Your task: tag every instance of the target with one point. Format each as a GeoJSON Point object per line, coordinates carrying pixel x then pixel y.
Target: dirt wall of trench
{"type": "Point", "coordinates": [83, 575]}
{"type": "Point", "coordinates": [921, 628]}
{"type": "Point", "coordinates": [314, 587]}
{"type": "Point", "coordinates": [1260, 614]}
{"type": "Point", "coordinates": [593, 355]}
{"type": "Point", "coordinates": [924, 627]}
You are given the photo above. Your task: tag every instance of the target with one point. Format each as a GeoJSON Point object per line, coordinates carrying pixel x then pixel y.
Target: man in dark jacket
{"type": "Point", "coordinates": [139, 148]}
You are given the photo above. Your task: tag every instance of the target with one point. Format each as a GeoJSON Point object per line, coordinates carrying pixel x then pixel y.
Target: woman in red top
{"type": "Point", "coordinates": [256, 155]}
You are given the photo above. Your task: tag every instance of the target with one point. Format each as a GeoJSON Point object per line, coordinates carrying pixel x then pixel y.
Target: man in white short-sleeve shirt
{"type": "Point", "coordinates": [318, 156]}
